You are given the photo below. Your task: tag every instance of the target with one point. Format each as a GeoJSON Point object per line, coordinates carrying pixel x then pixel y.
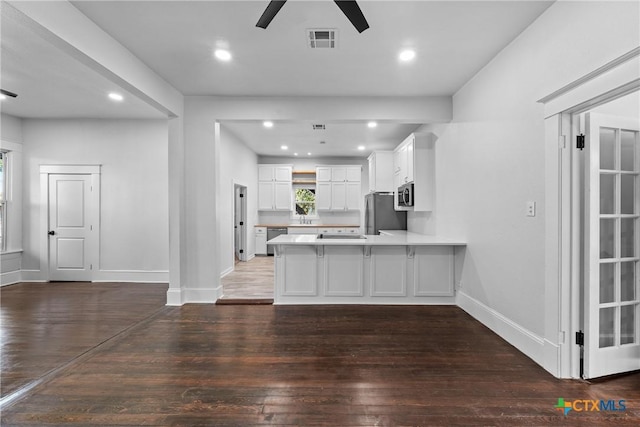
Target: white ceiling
{"type": "Point", "coordinates": [340, 139]}
{"type": "Point", "coordinates": [52, 84]}
{"type": "Point", "coordinates": [453, 40]}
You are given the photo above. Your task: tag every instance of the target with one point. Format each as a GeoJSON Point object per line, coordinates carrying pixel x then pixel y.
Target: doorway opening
{"type": "Point", "coordinates": [239, 223]}
{"type": "Point", "coordinates": [608, 192]}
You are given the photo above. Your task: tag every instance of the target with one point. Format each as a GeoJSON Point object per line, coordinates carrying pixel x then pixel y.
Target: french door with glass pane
{"type": "Point", "coordinates": [612, 245]}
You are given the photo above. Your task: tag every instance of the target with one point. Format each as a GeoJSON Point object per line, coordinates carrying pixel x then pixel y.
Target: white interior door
{"type": "Point", "coordinates": [70, 227]}
{"type": "Point", "coordinates": [612, 246]}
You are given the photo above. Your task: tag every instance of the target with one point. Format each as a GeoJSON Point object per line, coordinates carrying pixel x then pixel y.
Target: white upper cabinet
{"type": "Point", "coordinates": [414, 161]}
{"type": "Point", "coordinates": [274, 188]}
{"type": "Point", "coordinates": [403, 161]}
{"type": "Point", "coordinates": [338, 188]}
{"type": "Point", "coordinates": [381, 171]}
{"type": "Point", "coordinates": [323, 174]}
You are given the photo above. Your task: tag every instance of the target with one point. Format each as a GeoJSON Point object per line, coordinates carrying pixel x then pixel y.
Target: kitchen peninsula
{"type": "Point", "coordinates": [391, 268]}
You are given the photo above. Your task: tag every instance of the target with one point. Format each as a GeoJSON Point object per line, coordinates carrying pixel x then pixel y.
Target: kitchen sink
{"type": "Point", "coordinates": [341, 236]}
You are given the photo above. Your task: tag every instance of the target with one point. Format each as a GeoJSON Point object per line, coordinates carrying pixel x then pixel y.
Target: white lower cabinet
{"type": "Point", "coordinates": [302, 230]}
{"type": "Point", "coordinates": [354, 274]}
{"type": "Point", "coordinates": [261, 240]}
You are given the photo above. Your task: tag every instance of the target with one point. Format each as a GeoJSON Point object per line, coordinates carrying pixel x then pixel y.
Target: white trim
{"type": "Point", "coordinates": [201, 295]}
{"type": "Point", "coordinates": [532, 345]}
{"type": "Point", "coordinates": [95, 172]}
{"type": "Point", "coordinates": [562, 274]}
{"type": "Point", "coordinates": [614, 79]}
{"type": "Point", "coordinates": [10, 146]}
{"type": "Point", "coordinates": [250, 257]}
{"type": "Point", "coordinates": [11, 252]}
{"type": "Point", "coordinates": [10, 278]}
{"type": "Point", "coordinates": [227, 271]}
{"type": "Point", "coordinates": [136, 276]}
{"type": "Point", "coordinates": [70, 169]}
{"type": "Point", "coordinates": [33, 276]}
{"type": "Point", "coordinates": [174, 297]}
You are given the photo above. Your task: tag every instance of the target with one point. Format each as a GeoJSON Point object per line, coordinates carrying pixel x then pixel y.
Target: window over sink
{"type": "Point", "coordinates": [305, 201]}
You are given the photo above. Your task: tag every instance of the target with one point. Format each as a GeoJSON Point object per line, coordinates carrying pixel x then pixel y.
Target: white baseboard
{"type": "Point", "coordinates": [250, 257]}
{"type": "Point", "coordinates": [32, 276]}
{"type": "Point", "coordinates": [227, 271]}
{"type": "Point", "coordinates": [174, 297]}
{"type": "Point", "coordinates": [201, 295]}
{"type": "Point", "coordinates": [523, 339]}
{"type": "Point", "coordinates": [10, 277]}
{"type": "Point", "coordinates": [137, 276]}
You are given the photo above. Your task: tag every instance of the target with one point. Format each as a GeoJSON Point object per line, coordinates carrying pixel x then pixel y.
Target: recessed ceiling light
{"type": "Point", "coordinates": [407, 55]}
{"type": "Point", "coordinates": [284, 147]}
{"type": "Point", "coordinates": [372, 124]}
{"type": "Point", "coordinates": [295, 154]}
{"type": "Point", "coordinates": [115, 96]}
{"type": "Point", "coordinates": [223, 55]}
{"type": "Point", "coordinates": [3, 97]}
{"type": "Point", "coordinates": [308, 154]}
{"type": "Point", "coordinates": [267, 124]}
{"type": "Point", "coordinates": [361, 147]}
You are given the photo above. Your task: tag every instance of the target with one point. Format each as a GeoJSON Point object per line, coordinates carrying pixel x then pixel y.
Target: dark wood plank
{"type": "Point", "coordinates": [45, 325]}
{"type": "Point", "coordinates": [241, 365]}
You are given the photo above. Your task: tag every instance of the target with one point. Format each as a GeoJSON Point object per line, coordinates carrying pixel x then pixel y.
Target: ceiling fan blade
{"type": "Point", "coordinates": [352, 11]}
{"type": "Point", "coordinates": [270, 12]}
{"type": "Point", "coordinates": [7, 93]}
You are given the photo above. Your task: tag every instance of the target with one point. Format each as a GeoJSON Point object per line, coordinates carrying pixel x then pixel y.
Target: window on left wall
{"type": "Point", "coordinates": [3, 200]}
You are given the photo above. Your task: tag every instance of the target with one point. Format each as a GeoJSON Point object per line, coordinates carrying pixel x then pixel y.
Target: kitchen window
{"type": "Point", "coordinates": [305, 201]}
{"type": "Point", "coordinates": [3, 200]}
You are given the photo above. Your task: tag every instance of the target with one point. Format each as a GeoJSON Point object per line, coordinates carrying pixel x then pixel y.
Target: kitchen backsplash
{"type": "Point", "coordinates": [326, 218]}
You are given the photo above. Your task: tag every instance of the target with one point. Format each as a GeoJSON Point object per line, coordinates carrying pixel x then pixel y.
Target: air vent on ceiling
{"type": "Point", "coordinates": [319, 127]}
{"type": "Point", "coordinates": [322, 38]}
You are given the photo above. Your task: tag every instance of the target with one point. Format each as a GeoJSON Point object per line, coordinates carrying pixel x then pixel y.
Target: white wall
{"type": "Point", "coordinates": [346, 218]}
{"type": "Point", "coordinates": [491, 161]}
{"type": "Point", "coordinates": [239, 165]}
{"type": "Point", "coordinates": [134, 244]}
{"type": "Point", "coordinates": [11, 140]}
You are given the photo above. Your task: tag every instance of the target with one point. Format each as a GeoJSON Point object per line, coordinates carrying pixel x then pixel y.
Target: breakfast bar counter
{"type": "Point", "coordinates": [400, 268]}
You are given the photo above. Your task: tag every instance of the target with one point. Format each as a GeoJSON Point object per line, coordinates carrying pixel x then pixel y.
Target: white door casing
{"type": "Point", "coordinates": [70, 222]}
{"type": "Point", "coordinates": [612, 245]}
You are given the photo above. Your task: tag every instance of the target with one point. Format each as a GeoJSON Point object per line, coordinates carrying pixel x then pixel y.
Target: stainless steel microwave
{"type": "Point", "coordinates": [405, 195]}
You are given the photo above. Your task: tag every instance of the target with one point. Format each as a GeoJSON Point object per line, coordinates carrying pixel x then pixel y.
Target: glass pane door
{"type": "Point", "coordinates": [613, 268]}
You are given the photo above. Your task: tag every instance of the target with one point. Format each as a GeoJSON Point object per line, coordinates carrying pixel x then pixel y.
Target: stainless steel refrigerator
{"type": "Point", "coordinates": [379, 214]}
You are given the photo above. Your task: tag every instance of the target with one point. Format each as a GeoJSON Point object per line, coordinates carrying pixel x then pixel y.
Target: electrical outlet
{"type": "Point", "coordinates": [531, 208]}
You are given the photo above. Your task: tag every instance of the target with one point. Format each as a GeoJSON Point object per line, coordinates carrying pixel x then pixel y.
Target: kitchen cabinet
{"type": "Point", "coordinates": [381, 173]}
{"type": "Point", "coordinates": [275, 189]}
{"type": "Point", "coordinates": [343, 190]}
{"type": "Point", "coordinates": [335, 230]}
{"type": "Point", "coordinates": [404, 161]}
{"type": "Point", "coordinates": [414, 161]}
{"type": "Point", "coordinates": [261, 240]}
{"type": "Point", "coordinates": [302, 230]}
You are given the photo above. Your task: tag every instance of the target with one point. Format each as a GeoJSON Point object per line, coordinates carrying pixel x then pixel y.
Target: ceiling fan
{"type": "Point", "coordinates": [7, 93]}
{"type": "Point", "coordinates": [349, 7]}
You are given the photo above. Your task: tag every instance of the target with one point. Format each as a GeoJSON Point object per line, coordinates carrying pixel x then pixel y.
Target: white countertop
{"type": "Point", "coordinates": [400, 239]}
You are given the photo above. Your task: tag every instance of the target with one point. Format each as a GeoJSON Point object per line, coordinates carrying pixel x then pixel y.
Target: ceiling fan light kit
{"type": "Point", "coordinates": [350, 9]}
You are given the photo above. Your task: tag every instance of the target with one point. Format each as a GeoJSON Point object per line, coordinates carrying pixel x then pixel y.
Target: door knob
{"type": "Point", "coordinates": [51, 233]}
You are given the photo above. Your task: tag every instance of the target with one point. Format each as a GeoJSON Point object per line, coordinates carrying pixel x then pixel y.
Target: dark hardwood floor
{"type": "Point", "coordinates": [45, 325]}
{"type": "Point", "coordinates": [241, 365]}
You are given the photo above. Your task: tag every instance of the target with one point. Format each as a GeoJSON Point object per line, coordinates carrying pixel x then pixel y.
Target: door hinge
{"type": "Point", "coordinates": [241, 251]}
{"type": "Point", "coordinates": [90, 266]}
{"type": "Point", "coordinates": [241, 195]}
{"type": "Point", "coordinates": [241, 222]}
{"type": "Point", "coordinates": [579, 338]}
{"type": "Point", "coordinates": [580, 142]}
{"type": "Point", "coordinates": [562, 141]}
